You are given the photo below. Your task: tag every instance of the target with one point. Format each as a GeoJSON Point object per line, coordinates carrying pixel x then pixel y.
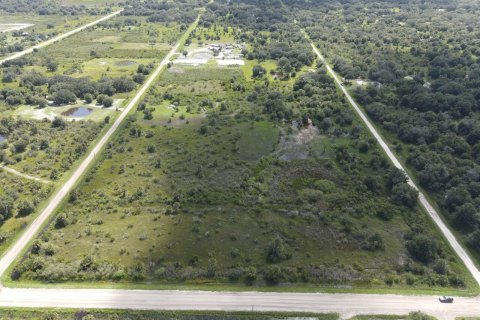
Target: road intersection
{"type": "Point", "coordinates": [347, 305]}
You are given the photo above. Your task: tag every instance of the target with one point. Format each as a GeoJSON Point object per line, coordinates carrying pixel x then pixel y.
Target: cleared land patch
{"type": "Point", "coordinates": [7, 27]}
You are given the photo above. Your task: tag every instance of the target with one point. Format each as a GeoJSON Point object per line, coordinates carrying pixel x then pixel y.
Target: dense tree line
{"type": "Point", "coordinates": [423, 77]}
{"type": "Point", "coordinates": [164, 11]}
{"type": "Point", "coordinates": [266, 27]}
{"type": "Point", "coordinates": [45, 7]}
{"type": "Point", "coordinates": [63, 89]}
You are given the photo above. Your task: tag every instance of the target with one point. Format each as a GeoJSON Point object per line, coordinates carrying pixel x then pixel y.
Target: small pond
{"type": "Point", "coordinates": [77, 112]}
{"type": "Point", "coordinates": [2, 138]}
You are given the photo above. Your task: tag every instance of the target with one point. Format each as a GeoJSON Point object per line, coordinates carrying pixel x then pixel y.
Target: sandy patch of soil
{"type": "Point", "coordinates": [8, 27]}
{"type": "Point", "coordinates": [296, 145]}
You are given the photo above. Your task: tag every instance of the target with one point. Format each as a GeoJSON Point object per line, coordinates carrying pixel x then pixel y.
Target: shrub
{"type": "Point", "coordinates": [87, 263]}
{"type": "Point", "coordinates": [25, 208]}
{"type": "Point", "coordinates": [250, 275]}
{"type": "Point", "coordinates": [418, 316]}
{"type": "Point", "coordinates": [277, 251]}
{"type": "Point", "coordinates": [64, 96]}
{"type": "Point", "coordinates": [274, 274]}
{"type": "Point", "coordinates": [107, 102]}
{"type": "Point", "coordinates": [51, 316]}
{"type": "Point", "coordinates": [137, 273]}
{"type": "Point", "coordinates": [374, 243]}
{"type": "Point", "coordinates": [88, 98]}
{"type": "Point", "coordinates": [423, 248]}
{"type": "Point", "coordinates": [58, 123]}
{"type": "Point", "coordinates": [404, 194]}
{"type": "Point", "coordinates": [61, 221]}
{"type": "Point", "coordinates": [474, 240]}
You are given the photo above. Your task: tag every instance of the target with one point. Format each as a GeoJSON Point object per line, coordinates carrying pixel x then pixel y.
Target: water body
{"type": "Point", "coordinates": [77, 112]}
{"type": "Point", "coordinates": [2, 138]}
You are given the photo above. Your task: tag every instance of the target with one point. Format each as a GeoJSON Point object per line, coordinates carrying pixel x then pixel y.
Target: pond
{"type": "Point", "coordinates": [2, 138]}
{"type": "Point", "coordinates": [77, 112]}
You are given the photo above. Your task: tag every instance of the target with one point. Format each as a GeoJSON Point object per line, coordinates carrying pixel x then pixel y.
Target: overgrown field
{"type": "Point", "coordinates": [55, 102]}
{"type": "Point", "coordinates": [421, 74]}
{"type": "Point", "coordinates": [92, 71]}
{"type": "Point", "coordinates": [205, 184]}
{"type": "Point", "coordinates": [256, 176]}
{"type": "Point", "coordinates": [18, 199]}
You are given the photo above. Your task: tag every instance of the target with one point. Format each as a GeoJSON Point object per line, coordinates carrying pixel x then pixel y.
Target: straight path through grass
{"type": "Point", "coordinates": [23, 175]}
{"type": "Point", "coordinates": [19, 246]}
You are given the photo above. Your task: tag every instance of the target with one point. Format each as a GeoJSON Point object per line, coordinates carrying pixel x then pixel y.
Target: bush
{"type": "Point", "coordinates": [374, 243]}
{"type": "Point", "coordinates": [274, 274]}
{"type": "Point", "coordinates": [88, 98]}
{"type": "Point", "coordinates": [258, 71]}
{"type": "Point", "coordinates": [404, 194]}
{"type": "Point", "coordinates": [107, 102]}
{"type": "Point", "coordinates": [25, 208]}
{"type": "Point", "coordinates": [64, 96]}
{"type": "Point", "coordinates": [423, 248]}
{"type": "Point", "coordinates": [418, 316]}
{"type": "Point", "coordinates": [137, 273]}
{"type": "Point", "coordinates": [277, 251]}
{"type": "Point", "coordinates": [51, 316]}
{"type": "Point", "coordinates": [250, 275]}
{"type": "Point", "coordinates": [474, 240]}
{"type": "Point", "coordinates": [61, 221]}
{"type": "Point", "coordinates": [58, 123]}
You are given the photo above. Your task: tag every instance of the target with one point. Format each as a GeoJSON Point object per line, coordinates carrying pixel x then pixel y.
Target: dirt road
{"type": "Point", "coordinates": [347, 305]}
{"type": "Point", "coordinates": [59, 37]}
{"type": "Point", "coordinates": [467, 260]}
{"type": "Point", "coordinates": [8, 258]}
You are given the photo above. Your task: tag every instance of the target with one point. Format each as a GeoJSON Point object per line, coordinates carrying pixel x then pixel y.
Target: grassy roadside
{"type": "Point", "coordinates": [227, 286]}
{"type": "Point", "coordinates": [34, 314]}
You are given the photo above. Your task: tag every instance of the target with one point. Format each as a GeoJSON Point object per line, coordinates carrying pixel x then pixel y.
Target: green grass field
{"type": "Point", "coordinates": [195, 195]}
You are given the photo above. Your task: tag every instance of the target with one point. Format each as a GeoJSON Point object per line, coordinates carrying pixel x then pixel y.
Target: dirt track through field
{"type": "Point", "coordinates": [14, 251]}
{"type": "Point", "coordinates": [60, 37]}
{"type": "Point", "coordinates": [457, 247]}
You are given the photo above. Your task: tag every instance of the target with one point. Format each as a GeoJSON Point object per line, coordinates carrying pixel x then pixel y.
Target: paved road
{"type": "Point", "coordinates": [423, 201]}
{"type": "Point", "coordinates": [60, 37]}
{"type": "Point", "coordinates": [23, 175]}
{"type": "Point", "coordinates": [8, 258]}
{"type": "Point", "coordinates": [347, 305]}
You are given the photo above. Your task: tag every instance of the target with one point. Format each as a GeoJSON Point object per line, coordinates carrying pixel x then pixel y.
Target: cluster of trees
{"type": "Point", "coordinates": [65, 90]}
{"type": "Point", "coordinates": [52, 145]}
{"type": "Point", "coordinates": [9, 207]}
{"type": "Point", "coordinates": [266, 27]}
{"type": "Point", "coordinates": [164, 11]}
{"type": "Point", "coordinates": [45, 7]}
{"type": "Point", "coordinates": [15, 47]}
{"type": "Point", "coordinates": [427, 92]}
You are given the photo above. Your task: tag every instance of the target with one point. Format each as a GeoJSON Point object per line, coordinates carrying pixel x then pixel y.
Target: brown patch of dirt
{"type": "Point", "coordinates": [296, 146]}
